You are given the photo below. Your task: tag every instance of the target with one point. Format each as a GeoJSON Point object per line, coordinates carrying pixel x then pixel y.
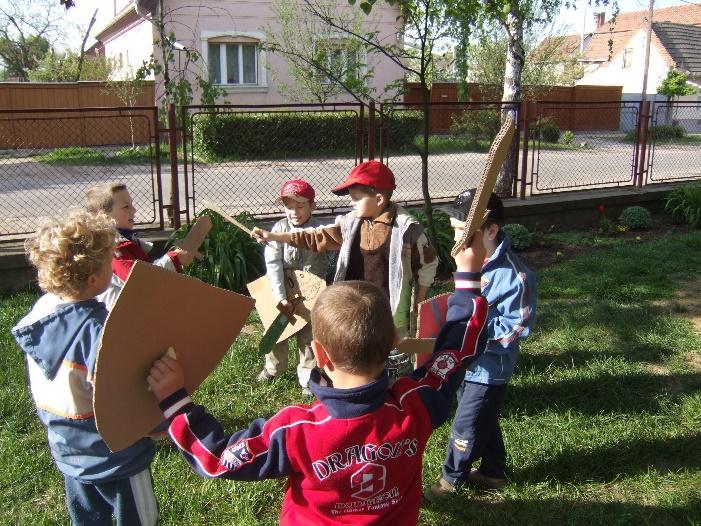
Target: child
{"type": "Point", "coordinates": [510, 289]}
{"type": "Point", "coordinates": [378, 241]}
{"type": "Point", "coordinates": [113, 199]}
{"type": "Point", "coordinates": [355, 455]}
{"type": "Point", "coordinates": [60, 336]}
{"type": "Point", "coordinates": [298, 198]}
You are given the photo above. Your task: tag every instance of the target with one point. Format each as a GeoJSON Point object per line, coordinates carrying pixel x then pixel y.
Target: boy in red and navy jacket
{"type": "Point", "coordinates": [354, 456]}
{"type": "Point", "coordinates": [113, 200]}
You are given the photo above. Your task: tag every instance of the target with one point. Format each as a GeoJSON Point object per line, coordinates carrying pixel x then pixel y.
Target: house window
{"type": "Point", "coordinates": [233, 63]}
{"type": "Point", "coordinates": [342, 58]}
{"type": "Point", "coordinates": [627, 57]}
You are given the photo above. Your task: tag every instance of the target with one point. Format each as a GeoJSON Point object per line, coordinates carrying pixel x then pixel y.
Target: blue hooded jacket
{"type": "Point", "coordinates": [61, 340]}
{"type": "Point", "coordinates": [510, 288]}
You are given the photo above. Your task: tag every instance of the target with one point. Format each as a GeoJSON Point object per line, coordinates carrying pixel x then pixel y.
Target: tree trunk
{"type": "Point", "coordinates": [428, 206]}
{"type": "Point", "coordinates": [515, 58]}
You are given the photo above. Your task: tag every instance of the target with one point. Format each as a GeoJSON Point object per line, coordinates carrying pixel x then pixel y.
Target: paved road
{"type": "Point", "coordinates": [29, 189]}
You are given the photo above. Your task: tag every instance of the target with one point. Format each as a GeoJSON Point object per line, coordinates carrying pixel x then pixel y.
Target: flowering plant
{"type": "Point", "coordinates": [606, 226]}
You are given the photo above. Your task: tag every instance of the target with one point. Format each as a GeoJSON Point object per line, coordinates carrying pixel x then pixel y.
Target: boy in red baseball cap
{"type": "Point", "coordinates": [297, 196]}
{"type": "Point", "coordinates": [378, 241]}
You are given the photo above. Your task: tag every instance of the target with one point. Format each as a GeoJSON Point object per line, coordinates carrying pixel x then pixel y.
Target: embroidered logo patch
{"type": "Point", "coordinates": [236, 455]}
{"type": "Point", "coordinates": [444, 364]}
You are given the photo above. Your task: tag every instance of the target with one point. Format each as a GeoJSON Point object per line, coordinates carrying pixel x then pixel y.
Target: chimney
{"type": "Point", "coordinates": [600, 19]}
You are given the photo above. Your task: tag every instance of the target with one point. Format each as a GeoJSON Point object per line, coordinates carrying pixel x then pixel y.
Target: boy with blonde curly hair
{"type": "Point", "coordinates": [60, 337]}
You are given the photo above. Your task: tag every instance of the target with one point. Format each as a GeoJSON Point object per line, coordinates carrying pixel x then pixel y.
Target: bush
{"type": "Point", "coordinates": [636, 218]}
{"type": "Point", "coordinates": [663, 132]}
{"type": "Point", "coordinates": [567, 137]}
{"type": "Point", "coordinates": [686, 202]}
{"type": "Point", "coordinates": [478, 124]}
{"type": "Point", "coordinates": [549, 132]}
{"type": "Point", "coordinates": [445, 239]}
{"type": "Point", "coordinates": [401, 128]}
{"type": "Point", "coordinates": [231, 257]}
{"type": "Point", "coordinates": [521, 238]}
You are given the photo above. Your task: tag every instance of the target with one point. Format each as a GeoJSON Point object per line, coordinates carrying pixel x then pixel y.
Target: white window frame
{"type": "Point", "coordinates": [362, 55]}
{"type": "Point", "coordinates": [260, 58]}
{"type": "Point", "coordinates": [627, 58]}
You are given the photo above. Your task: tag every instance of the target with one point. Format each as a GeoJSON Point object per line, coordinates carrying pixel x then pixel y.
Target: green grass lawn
{"type": "Point", "coordinates": [602, 422]}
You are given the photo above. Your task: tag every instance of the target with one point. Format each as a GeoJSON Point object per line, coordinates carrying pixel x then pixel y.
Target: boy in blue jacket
{"type": "Point", "coordinates": [60, 337]}
{"type": "Point", "coordinates": [510, 289]}
{"type": "Point", "coordinates": [355, 455]}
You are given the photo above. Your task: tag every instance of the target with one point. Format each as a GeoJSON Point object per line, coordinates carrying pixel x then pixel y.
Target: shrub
{"type": "Point", "coordinates": [478, 124]}
{"type": "Point", "coordinates": [567, 137]}
{"type": "Point", "coordinates": [663, 132]}
{"type": "Point", "coordinates": [231, 258]}
{"type": "Point", "coordinates": [686, 202]}
{"type": "Point", "coordinates": [445, 239]}
{"type": "Point", "coordinates": [401, 128]}
{"type": "Point", "coordinates": [549, 132]}
{"type": "Point", "coordinates": [636, 218]}
{"type": "Point", "coordinates": [521, 238]}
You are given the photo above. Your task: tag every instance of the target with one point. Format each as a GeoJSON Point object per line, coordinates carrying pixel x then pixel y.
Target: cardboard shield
{"type": "Point", "coordinates": [478, 210]}
{"type": "Point", "coordinates": [302, 288]}
{"type": "Point", "coordinates": [155, 310]}
{"type": "Point", "coordinates": [195, 237]}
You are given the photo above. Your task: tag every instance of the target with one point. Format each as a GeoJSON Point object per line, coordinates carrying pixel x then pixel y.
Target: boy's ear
{"type": "Point", "coordinates": [312, 205]}
{"type": "Point", "coordinates": [320, 354]}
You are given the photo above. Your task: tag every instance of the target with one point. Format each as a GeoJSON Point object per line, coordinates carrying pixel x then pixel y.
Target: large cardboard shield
{"type": "Point", "coordinates": [302, 288]}
{"type": "Point", "coordinates": [155, 310]}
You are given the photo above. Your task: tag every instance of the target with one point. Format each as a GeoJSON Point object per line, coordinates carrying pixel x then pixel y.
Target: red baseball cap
{"type": "Point", "coordinates": [297, 189]}
{"type": "Point", "coordinates": [369, 173]}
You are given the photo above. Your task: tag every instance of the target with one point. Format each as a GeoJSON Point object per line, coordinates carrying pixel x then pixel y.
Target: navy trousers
{"type": "Point", "coordinates": [476, 433]}
{"type": "Point", "coordinates": [131, 501]}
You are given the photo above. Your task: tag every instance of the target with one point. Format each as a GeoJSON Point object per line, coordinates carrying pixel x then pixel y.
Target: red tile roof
{"type": "Point", "coordinates": [628, 24]}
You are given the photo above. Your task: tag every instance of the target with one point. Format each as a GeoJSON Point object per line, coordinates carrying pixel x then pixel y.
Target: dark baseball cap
{"type": "Point", "coordinates": [460, 207]}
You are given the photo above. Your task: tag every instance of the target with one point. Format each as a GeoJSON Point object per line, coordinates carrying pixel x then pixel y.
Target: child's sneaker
{"type": "Point", "coordinates": [264, 376]}
{"type": "Point", "coordinates": [307, 392]}
{"type": "Point", "coordinates": [486, 482]}
{"type": "Point", "coordinates": [439, 490]}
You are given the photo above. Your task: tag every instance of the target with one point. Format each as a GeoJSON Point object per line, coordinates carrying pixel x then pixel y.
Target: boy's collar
{"type": "Point", "coordinates": [126, 233]}
{"type": "Point", "coordinates": [387, 215]}
{"type": "Point", "coordinates": [350, 403]}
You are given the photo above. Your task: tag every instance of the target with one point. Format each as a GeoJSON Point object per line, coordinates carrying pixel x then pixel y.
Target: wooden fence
{"type": "Point", "coordinates": [565, 105]}
{"type": "Point", "coordinates": [28, 128]}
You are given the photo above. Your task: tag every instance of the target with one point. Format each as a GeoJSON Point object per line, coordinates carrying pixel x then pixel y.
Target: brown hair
{"type": "Point", "coordinates": [353, 321]}
{"type": "Point", "coordinates": [66, 251]}
{"type": "Point", "coordinates": [101, 198]}
{"type": "Point", "coordinates": [371, 191]}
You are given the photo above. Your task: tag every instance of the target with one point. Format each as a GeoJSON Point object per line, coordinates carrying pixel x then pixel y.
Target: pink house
{"type": "Point", "coordinates": [228, 35]}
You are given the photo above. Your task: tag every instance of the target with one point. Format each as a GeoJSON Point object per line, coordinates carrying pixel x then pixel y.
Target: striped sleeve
{"type": "Point", "coordinates": [458, 345]}
{"type": "Point", "coordinates": [255, 453]}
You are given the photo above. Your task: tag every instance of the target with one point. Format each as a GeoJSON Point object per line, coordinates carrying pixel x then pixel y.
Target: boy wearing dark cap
{"type": "Point", "coordinates": [297, 196]}
{"type": "Point", "coordinates": [378, 241]}
{"type": "Point", "coordinates": [510, 289]}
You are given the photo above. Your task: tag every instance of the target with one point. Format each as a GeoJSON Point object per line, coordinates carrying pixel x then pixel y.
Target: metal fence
{"type": "Point", "coordinates": [49, 158]}
{"type": "Point", "coordinates": [223, 154]}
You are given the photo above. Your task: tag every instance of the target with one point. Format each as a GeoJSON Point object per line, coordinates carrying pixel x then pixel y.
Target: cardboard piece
{"type": "Point", "coordinates": [422, 347]}
{"type": "Point", "coordinates": [155, 310]}
{"type": "Point", "coordinates": [302, 288]}
{"type": "Point", "coordinates": [431, 317]}
{"type": "Point", "coordinates": [195, 237]}
{"type": "Point", "coordinates": [478, 210]}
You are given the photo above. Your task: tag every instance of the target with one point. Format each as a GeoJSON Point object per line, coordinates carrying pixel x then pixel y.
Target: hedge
{"type": "Point", "coordinates": [263, 135]}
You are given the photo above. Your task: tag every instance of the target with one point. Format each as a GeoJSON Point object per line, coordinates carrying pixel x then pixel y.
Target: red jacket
{"type": "Point", "coordinates": [355, 455]}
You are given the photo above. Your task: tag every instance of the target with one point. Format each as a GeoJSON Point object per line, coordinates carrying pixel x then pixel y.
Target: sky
{"type": "Point", "coordinates": [568, 22]}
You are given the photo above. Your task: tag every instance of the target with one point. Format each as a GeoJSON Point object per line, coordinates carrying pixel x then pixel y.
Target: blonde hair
{"type": "Point", "coordinates": [353, 321]}
{"type": "Point", "coordinates": [101, 198]}
{"type": "Point", "coordinates": [65, 251]}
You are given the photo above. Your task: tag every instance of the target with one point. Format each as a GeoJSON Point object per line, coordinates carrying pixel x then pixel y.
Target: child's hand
{"type": "Point", "coordinates": [260, 235]}
{"type": "Point", "coordinates": [471, 258]}
{"type": "Point", "coordinates": [165, 377]}
{"type": "Point", "coordinates": [184, 256]}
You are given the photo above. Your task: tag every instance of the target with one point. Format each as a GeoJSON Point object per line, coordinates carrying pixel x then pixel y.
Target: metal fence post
{"type": "Point", "coordinates": [642, 143]}
{"type": "Point", "coordinates": [371, 132]}
{"type": "Point", "coordinates": [525, 110]}
{"type": "Point", "coordinates": [174, 187]}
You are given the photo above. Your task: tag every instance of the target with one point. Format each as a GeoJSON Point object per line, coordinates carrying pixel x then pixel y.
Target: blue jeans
{"type": "Point", "coordinates": [476, 433]}
{"type": "Point", "coordinates": [131, 501]}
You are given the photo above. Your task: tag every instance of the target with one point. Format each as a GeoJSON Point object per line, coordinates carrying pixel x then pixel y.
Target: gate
{"type": "Point", "coordinates": [601, 152]}
{"type": "Point", "coordinates": [50, 157]}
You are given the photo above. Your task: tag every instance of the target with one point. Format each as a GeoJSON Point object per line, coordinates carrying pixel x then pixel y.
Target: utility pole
{"type": "Point", "coordinates": [641, 165]}
{"type": "Point", "coordinates": [647, 48]}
